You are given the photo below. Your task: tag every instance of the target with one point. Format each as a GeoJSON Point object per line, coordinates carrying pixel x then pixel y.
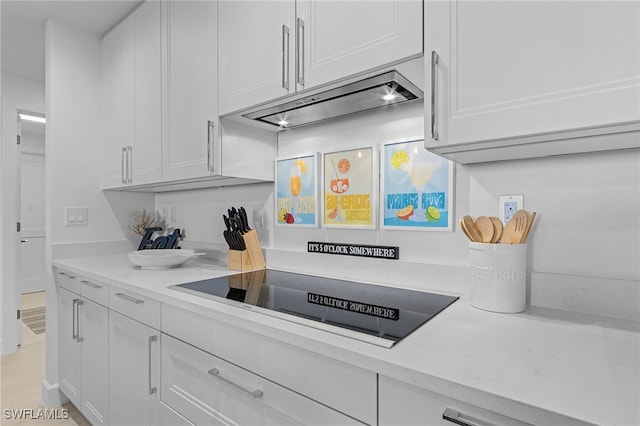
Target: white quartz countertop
{"type": "Point", "coordinates": [566, 364]}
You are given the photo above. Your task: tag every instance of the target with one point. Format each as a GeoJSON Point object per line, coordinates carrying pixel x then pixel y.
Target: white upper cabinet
{"type": "Point", "coordinates": [257, 42]}
{"type": "Point", "coordinates": [272, 49]}
{"type": "Point", "coordinates": [522, 74]}
{"type": "Point", "coordinates": [147, 88]}
{"type": "Point", "coordinates": [131, 99]}
{"type": "Point", "coordinates": [191, 94]}
{"type": "Point", "coordinates": [117, 104]}
{"type": "Point", "coordinates": [343, 38]}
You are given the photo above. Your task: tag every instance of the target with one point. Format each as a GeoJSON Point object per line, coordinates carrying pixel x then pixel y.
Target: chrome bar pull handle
{"type": "Point", "coordinates": [129, 164]}
{"type": "Point", "coordinates": [74, 319]}
{"type": "Point", "coordinates": [285, 57]}
{"type": "Point", "coordinates": [257, 394]}
{"type": "Point", "coordinates": [152, 389]}
{"type": "Point", "coordinates": [434, 98]}
{"type": "Point", "coordinates": [210, 141]}
{"type": "Point", "coordinates": [456, 417]}
{"type": "Point", "coordinates": [123, 164]}
{"type": "Point", "coordinates": [300, 51]}
{"type": "Point", "coordinates": [78, 303]}
{"type": "Point", "coordinates": [129, 298]}
{"type": "Point", "coordinates": [90, 284]}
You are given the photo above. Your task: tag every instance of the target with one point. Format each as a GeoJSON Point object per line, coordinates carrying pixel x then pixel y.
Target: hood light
{"type": "Point", "coordinates": [389, 96]}
{"type": "Point", "coordinates": [283, 123]}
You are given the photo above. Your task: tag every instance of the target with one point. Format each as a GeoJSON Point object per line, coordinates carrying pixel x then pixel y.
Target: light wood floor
{"type": "Point", "coordinates": [22, 372]}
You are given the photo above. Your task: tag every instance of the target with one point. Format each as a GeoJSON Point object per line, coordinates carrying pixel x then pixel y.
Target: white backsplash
{"type": "Point", "coordinates": [583, 250]}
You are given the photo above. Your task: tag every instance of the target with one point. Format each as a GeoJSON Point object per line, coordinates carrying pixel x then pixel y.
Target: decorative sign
{"type": "Point", "coordinates": [350, 305]}
{"type": "Point", "coordinates": [162, 242]}
{"type": "Point", "coordinates": [297, 191]}
{"type": "Point", "coordinates": [348, 189]}
{"type": "Point", "coordinates": [380, 252]}
{"type": "Point", "coordinates": [417, 188]}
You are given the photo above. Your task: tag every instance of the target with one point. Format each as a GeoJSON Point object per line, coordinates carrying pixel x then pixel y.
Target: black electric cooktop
{"type": "Point", "coordinates": [371, 313]}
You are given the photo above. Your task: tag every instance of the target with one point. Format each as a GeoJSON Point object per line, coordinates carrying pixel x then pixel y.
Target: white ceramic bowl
{"type": "Point", "coordinates": [160, 258]}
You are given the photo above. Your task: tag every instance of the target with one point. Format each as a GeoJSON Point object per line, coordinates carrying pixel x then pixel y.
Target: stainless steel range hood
{"type": "Point", "coordinates": [383, 89]}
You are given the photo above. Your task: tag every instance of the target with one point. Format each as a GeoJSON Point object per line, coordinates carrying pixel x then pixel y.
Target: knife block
{"type": "Point", "coordinates": [254, 250]}
{"type": "Point", "coordinates": [239, 260]}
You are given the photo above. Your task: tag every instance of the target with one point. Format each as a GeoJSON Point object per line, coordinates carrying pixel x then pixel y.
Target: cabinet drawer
{"type": "Point", "coordinates": [206, 389]}
{"type": "Point", "coordinates": [94, 290]}
{"type": "Point", "coordinates": [135, 306]}
{"type": "Point", "coordinates": [344, 387]}
{"type": "Point", "coordinates": [169, 417]}
{"type": "Point", "coordinates": [66, 279]}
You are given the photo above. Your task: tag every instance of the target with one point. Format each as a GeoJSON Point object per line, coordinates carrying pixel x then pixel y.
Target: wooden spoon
{"type": "Point", "coordinates": [485, 227]}
{"type": "Point", "coordinates": [497, 229]}
{"type": "Point", "coordinates": [515, 228]}
{"type": "Point", "coordinates": [470, 230]}
{"type": "Point", "coordinates": [529, 224]}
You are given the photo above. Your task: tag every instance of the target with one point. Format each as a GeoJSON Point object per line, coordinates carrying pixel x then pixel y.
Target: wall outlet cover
{"type": "Point", "coordinates": [508, 205]}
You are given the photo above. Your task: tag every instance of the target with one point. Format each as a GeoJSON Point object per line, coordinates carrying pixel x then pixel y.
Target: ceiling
{"type": "Point", "coordinates": [23, 28]}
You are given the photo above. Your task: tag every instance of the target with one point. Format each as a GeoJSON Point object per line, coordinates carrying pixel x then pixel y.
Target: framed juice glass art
{"type": "Point", "coordinates": [297, 191]}
{"type": "Point", "coordinates": [348, 189]}
{"type": "Point", "coordinates": [417, 188]}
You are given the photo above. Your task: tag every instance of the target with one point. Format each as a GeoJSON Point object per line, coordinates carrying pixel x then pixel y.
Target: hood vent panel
{"type": "Point", "coordinates": [390, 88]}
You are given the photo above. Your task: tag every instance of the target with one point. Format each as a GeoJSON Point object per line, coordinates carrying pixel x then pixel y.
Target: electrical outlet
{"type": "Point", "coordinates": [258, 217]}
{"type": "Point", "coordinates": [508, 205]}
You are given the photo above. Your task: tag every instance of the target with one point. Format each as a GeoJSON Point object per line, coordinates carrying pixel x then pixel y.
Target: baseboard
{"type": "Point", "coordinates": [51, 395]}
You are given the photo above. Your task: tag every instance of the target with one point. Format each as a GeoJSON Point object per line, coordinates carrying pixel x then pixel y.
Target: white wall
{"type": "Point", "coordinates": [73, 170]}
{"type": "Point", "coordinates": [28, 94]}
{"type": "Point", "coordinates": [582, 252]}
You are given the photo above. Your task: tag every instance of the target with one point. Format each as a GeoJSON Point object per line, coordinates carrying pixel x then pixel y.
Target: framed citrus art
{"type": "Point", "coordinates": [297, 191]}
{"type": "Point", "coordinates": [416, 188]}
{"type": "Point", "coordinates": [349, 189]}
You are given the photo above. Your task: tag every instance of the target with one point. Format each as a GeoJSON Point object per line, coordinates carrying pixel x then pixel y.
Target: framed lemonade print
{"type": "Point", "coordinates": [348, 189]}
{"type": "Point", "coordinates": [416, 189]}
{"type": "Point", "coordinates": [297, 191]}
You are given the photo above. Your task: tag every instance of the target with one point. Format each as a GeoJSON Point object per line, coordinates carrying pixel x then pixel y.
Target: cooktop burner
{"type": "Point", "coordinates": [371, 313]}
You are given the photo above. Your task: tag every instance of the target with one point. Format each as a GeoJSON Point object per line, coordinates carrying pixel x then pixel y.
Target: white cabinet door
{"type": "Point", "coordinates": [192, 76]}
{"type": "Point", "coordinates": [343, 38]}
{"type": "Point", "coordinates": [147, 94]}
{"type": "Point", "coordinates": [93, 334]}
{"type": "Point", "coordinates": [257, 42]}
{"type": "Point", "coordinates": [69, 370]}
{"type": "Point", "coordinates": [134, 372]}
{"type": "Point", "coordinates": [117, 104]}
{"type": "Point", "coordinates": [132, 94]}
{"type": "Point", "coordinates": [509, 69]}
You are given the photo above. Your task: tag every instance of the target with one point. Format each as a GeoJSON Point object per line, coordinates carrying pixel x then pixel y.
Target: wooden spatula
{"type": "Point", "coordinates": [497, 229]}
{"type": "Point", "coordinates": [515, 228]}
{"type": "Point", "coordinates": [529, 224]}
{"type": "Point", "coordinates": [469, 228]}
{"type": "Point", "coordinates": [485, 227]}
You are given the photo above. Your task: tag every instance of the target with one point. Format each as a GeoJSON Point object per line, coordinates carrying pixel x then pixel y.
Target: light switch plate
{"type": "Point", "coordinates": [75, 216]}
{"type": "Point", "coordinates": [508, 205]}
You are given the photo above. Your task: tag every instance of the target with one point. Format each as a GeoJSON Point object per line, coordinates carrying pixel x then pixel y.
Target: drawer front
{"type": "Point", "coordinates": [94, 290]}
{"type": "Point", "coordinates": [405, 404]}
{"type": "Point", "coordinates": [135, 306]}
{"type": "Point", "coordinates": [66, 279]}
{"type": "Point", "coordinates": [206, 389]}
{"type": "Point", "coordinates": [344, 387]}
{"type": "Point", "coordinates": [169, 417]}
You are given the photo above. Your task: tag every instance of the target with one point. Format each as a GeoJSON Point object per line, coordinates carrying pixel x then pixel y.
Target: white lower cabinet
{"type": "Point", "coordinates": [134, 372]}
{"type": "Point", "coordinates": [208, 390]}
{"type": "Point", "coordinates": [83, 364]}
